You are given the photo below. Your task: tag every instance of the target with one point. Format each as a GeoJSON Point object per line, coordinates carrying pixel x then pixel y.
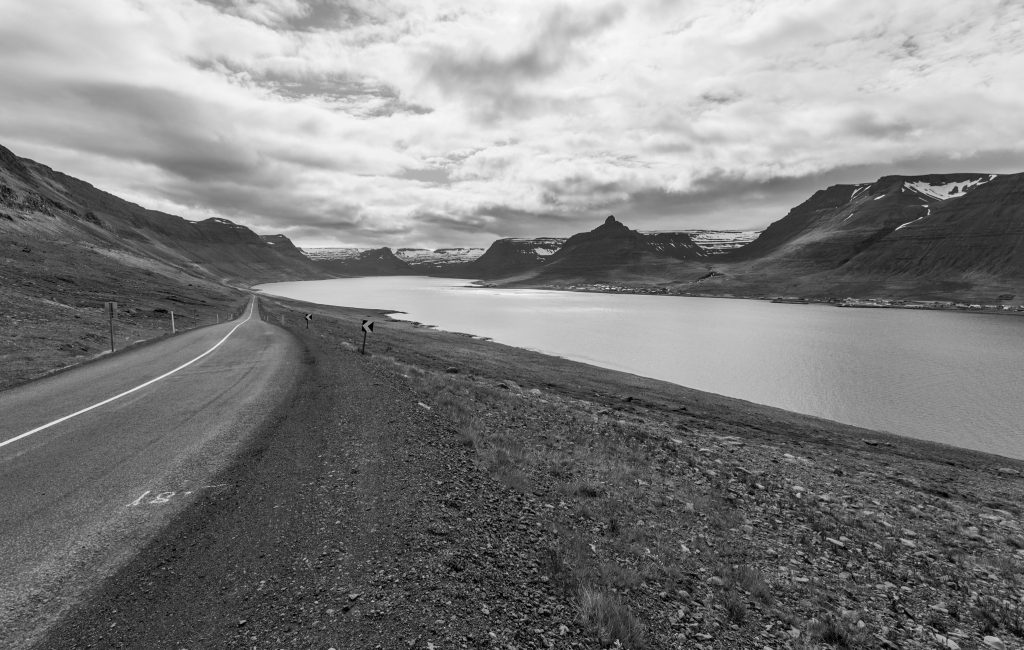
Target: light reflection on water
{"type": "Point", "coordinates": [949, 377]}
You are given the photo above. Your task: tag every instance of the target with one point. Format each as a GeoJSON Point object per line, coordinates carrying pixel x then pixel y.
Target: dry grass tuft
{"type": "Point", "coordinates": [610, 620]}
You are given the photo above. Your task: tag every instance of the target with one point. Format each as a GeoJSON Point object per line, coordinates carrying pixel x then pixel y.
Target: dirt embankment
{"type": "Point", "coordinates": [448, 492]}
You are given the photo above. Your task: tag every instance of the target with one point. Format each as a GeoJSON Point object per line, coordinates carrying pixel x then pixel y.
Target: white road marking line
{"type": "Point", "coordinates": [252, 306]}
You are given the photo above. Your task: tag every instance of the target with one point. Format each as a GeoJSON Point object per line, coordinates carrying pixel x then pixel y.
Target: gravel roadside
{"type": "Point", "coordinates": [355, 520]}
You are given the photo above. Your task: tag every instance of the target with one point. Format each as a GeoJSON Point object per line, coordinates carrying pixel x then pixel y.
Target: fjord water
{"type": "Point", "coordinates": [949, 377]}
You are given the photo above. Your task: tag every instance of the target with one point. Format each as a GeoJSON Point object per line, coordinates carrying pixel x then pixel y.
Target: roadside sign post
{"type": "Point", "coordinates": [173, 331]}
{"type": "Point", "coordinates": [309, 317]}
{"type": "Point", "coordinates": [367, 327]}
{"type": "Point", "coordinates": [111, 308]}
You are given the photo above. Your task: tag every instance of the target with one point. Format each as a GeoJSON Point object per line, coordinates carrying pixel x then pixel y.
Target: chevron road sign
{"type": "Point", "coordinates": [367, 327]}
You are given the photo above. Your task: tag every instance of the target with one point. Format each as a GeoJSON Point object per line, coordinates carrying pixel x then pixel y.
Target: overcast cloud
{"type": "Point", "coordinates": [453, 122]}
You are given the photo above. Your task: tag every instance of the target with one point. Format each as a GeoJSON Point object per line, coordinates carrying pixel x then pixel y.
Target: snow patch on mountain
{"type": "Point", "coordinates": [541, 247]}
{"type": "Point", "coordinates": [334, 253]}
{"type": "Point", "coordinates": [416, 256]}
{"type": "Point", "coordinates": [714, 241]}
{"type": "Point", "coordinates": [944, 191]}
{"type": "Point", "coordinates": [928, 213]}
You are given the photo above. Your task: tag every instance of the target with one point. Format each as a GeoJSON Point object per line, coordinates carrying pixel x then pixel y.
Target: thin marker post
{"type": "Point", "coordinates": [173, 331]}
{"type": "Point", "coordinates": [111, 308]}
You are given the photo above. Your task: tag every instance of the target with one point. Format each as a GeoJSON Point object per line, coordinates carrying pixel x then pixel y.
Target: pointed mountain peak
{"type": "Point", "coordinates": [611, 226]}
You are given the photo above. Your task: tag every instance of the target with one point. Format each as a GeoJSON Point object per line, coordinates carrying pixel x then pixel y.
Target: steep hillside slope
{"type": "Point", "coordinates": [935, 235]}
{"type": "Point", "coordinates": [66, 248]}
{"type": "Point", "coordinates": [38, 201]}
{"type": "Point", "coordinates": [976, 233]}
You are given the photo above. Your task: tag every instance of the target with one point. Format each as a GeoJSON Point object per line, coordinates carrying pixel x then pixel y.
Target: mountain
{"type": "Point", "coordinates": [612, 250]}
{"type": "Point", "coordinates": [339, 253]}
{"type": "Point", "coordinates": [679, 245]}
{"type": "Point", "coordinates": [971, 232]}
{"type": "Point", "coordinates": [440, 261]}
{"type": "Point", "coordinates": [507, 257]}
{"type": "Point", "coordinates": [716, 242]}
{"type": "Point", "coordinates": [359, 262]}
{"type": "Point", "coordinates": [282, 244]}
{"type": "Point", "coordinates": [930, 235]}
{"type": "Point", "coordinates": [36, 201]}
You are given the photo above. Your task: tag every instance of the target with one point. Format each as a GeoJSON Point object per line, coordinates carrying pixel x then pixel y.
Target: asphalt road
{"type": "Point", "coordinates": [81, 496]}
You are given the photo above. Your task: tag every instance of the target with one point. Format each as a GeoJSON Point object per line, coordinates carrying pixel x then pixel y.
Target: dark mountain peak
{"type": "Point", "coordinates": [614, 245]}
{"type": "Point", "coordinates": [611, 227]}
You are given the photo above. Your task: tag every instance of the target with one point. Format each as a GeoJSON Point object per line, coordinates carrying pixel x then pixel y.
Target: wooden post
{"type": "Point", "coordinates": [111, 308]}
{"type": "Point", "coordinates": [363, 351]}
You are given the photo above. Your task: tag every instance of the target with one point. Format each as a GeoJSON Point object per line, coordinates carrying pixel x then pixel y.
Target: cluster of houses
{"type": "Point", "coordinates": [927, 304]}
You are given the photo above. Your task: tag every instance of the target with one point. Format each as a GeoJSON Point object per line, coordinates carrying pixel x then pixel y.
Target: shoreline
{"type": "Point", "coordinates": [388, 312]}
{"type": "Point", "coordinates": [850, 303]}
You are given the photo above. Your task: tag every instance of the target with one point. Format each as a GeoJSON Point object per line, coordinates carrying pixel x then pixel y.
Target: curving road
{"type": "Point", "coordinates": [79, 495]}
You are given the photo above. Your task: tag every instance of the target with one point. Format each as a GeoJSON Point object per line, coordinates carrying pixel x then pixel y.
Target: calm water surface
{"type": "Point", "coordinates": [949, 377]}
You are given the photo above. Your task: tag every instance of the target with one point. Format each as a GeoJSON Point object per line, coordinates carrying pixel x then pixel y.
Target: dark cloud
{"type": "Point", "coordinates": [160, 127]}
{"type": "Point", "coordinates": [434, 175]}
{"type": "Point", "coordinates": [910, 46]}
{"type": "Point", "coordinates": [495, 77]}
{"type": "Point", "coordinates": [362, 95]}
{"type": "Point", "coordinates": [267, 204]}
{"type": "Point", "coordinates": [308, 15]}
{"type": "Point", "coordinates": [870, 124]}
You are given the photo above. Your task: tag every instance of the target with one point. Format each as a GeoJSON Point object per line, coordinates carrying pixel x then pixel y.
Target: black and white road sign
{"type": "Point", "coordinates": [309, 316]}
{"type": "Point", "coordinates": [367, 325]}
{"type": "Point", "coordinates": [111, 308]}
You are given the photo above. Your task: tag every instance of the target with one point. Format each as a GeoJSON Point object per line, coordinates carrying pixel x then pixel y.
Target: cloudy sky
{"type": "Point", "coordinates": [453, 122]}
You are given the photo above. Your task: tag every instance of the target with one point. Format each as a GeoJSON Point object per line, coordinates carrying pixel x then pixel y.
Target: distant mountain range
{"type": "Point", "coordinates": [943, 236]}
{"type": "Point", "coordinates": [508, 257]}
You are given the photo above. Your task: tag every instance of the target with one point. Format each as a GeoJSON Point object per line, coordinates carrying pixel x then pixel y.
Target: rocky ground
{"type": "Point", "coordinates": [448, 492]}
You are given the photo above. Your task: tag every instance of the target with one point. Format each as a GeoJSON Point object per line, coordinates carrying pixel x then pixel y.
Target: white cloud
{"type": "Point", "coordinates": [407, 122]}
